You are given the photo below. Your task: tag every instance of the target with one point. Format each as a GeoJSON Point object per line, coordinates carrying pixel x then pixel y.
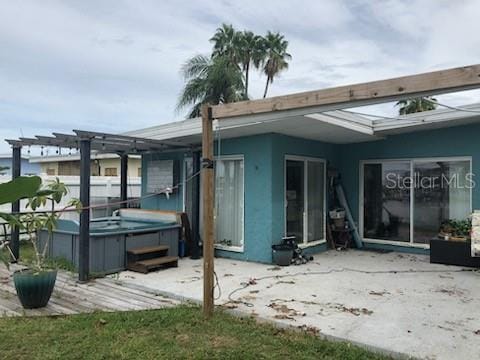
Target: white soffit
{"type": "Point", "coordinates": [338, 119]}
{"type": "Point", "coordinates": [307, 127]}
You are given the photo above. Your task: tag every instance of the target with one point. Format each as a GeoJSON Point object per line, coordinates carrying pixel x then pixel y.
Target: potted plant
{"type": "Point", "coordinates": [455, 230]}
{"type": "Point", "coordinates": [457, 249]}
{"type": "Point", "coordinates": [34, 285]}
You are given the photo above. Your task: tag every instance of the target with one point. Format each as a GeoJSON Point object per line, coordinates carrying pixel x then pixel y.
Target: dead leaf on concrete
{"type": "Point", "coordinates": [451, 291]}
{"type": "Point", "coordinates": [283, 317]}
{"type": "Point", "coordinates": [189, 280]}
{"type": "Point", "coordinates": [285, 310]}
{"type": "Point", "coordinates": [379, 293]}
{"type": "Point", "coordinates": [351, 310]}
{"type": "Point", "coordinates": [309, 329]}
{"type": "Point", "coordinates": [445, 328]}
{"type": "Point", "coordinates": [285, 282]}
{"type": "Point", "coordinates": [275, 268]}
{"type": "Point", "coordinates": [445, 276]}
{"type": "Point", "coordinates": [230, 305]}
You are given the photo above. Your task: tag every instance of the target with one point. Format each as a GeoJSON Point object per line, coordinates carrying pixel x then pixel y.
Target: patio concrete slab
{"type": "Point", "coordinates": [392, 301]}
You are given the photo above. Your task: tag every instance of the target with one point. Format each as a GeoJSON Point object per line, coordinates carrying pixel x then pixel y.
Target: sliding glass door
{"type": "Point", "coordinates": [305, 199]}
{"type": "Point", "coordinates": [386, 211]}
{"type": "Point", "coordinates": [406, 201]}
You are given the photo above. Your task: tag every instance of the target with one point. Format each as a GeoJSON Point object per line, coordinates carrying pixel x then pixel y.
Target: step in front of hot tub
{"type": "Point", "coordinates": [148, 249]}
{"type": "Point", "coordinates": [146, 253]}
{"type": "Point", "coordinates": [145, 266]}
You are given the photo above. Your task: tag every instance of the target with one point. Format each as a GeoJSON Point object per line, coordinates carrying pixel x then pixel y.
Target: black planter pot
{"type": "Point", "coordinates": [452, 253]}
{"type": "Point", "coordinates": [34, 288]}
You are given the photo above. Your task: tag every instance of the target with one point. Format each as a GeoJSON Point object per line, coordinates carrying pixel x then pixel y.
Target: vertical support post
{"type": "Point", "coordinates": [195, 196]}
{"type": "Point", "coordinates": [208, 199]}
{"type": "Point", "coordinates": [16, 171]}
{"type": "Point", "coordinates": [84, 236]}
{"type": "Point", "coordinates": [123, 179]}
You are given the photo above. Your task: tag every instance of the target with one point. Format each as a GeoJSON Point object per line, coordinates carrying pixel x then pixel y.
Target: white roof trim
{"type": "Point", "coordinates": [377, 129]}
{"type": "Point", "coordinates": [75, 157]}
{"type": "Point", "coordinates": [428, 117]}
{"type": "Point", "coordinates": [171, 130]}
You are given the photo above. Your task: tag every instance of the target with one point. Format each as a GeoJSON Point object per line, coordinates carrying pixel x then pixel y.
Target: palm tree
{"type": "Point", "coordinates": [226, 42]}
{"type": "Point", "coordinates": [415, 105]}
{"type": "Point", "coordinates": [251, 50]}
{"type": "Point", "coordinates": [276, 57]}
{"type": "Point", "coordinates": [209, 80]}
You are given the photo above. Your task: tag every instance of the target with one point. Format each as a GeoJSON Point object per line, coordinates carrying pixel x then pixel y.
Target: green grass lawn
{"type": "Point", "coordinates": [173, 333]}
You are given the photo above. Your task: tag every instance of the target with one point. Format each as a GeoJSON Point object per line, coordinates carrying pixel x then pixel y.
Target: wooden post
{"type": "Point", "coordinates": [208, 199]}
{"type": "Point", "coordinates": [195, 199]}
{"type": "Point", "coordinates": [84, 236]}
{"type": "Point", "coordinates": [16, 172]}
{"type": "Point", "coordinates": [123, 179]}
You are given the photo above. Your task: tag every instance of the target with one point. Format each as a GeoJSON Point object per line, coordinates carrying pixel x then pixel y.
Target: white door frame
{"type": "Point", "coordinates": [184, 181]}
{"type": "Point", "coordinates": [305, 160]}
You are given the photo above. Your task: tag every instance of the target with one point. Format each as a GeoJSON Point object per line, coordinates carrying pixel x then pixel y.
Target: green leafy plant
{"type": "Point", "coordinates": [32, 221]}
{"type": "Point", "coordinates": [456, 227]}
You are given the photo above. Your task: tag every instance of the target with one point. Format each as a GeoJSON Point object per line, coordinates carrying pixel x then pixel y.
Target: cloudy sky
{"type": "Point", "coordinates": [113, 65]}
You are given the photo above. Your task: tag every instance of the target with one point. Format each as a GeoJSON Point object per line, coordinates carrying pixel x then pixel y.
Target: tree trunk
{"type": "Point", "coordinates": [247, 68]}
{"type": "Point", "coordinates": [266, 88]}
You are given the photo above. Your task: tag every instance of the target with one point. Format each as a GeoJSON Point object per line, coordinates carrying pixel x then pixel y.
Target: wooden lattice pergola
{"type": "Point", "coordinates": [86, 142]}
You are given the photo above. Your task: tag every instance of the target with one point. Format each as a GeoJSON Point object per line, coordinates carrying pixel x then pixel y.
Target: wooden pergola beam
{"type": "Point", "coordinates": [431, 83]}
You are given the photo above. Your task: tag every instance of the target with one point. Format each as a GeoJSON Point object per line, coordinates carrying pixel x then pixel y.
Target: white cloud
{"type": "Point", "coordinates": [114, 66]}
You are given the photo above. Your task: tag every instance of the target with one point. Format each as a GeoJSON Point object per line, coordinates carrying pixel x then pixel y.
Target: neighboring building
{"type": "Point", "coordinates": [271, 176]}
{"type": "Point", "coordinates": [27, 168]}
{"type": "Point", "coordinates": [101, 165]}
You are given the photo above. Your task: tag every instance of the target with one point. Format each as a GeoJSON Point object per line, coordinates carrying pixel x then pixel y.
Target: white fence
{"type": "Point", "coordinates": [103, 190]}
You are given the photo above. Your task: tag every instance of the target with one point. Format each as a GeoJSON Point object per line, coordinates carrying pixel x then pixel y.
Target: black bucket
{"type": "Point", "coordinates": [282, 254]}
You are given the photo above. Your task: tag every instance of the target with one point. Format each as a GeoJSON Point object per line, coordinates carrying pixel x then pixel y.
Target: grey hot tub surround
{"type": "Point", "coordinates": [110, 239]}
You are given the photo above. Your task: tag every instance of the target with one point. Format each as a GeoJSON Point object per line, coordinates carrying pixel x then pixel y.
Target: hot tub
{"type": "Point", "coordinates": [111, 237]}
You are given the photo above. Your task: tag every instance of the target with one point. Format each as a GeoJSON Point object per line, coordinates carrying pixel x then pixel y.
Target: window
{"type": "Point", "coordinates": [229, 203]}
{"type": "Point", "coordinates": [110, 171]}
{"type": "Point", "coordinates": [305, 199]}
{"type": "Point", "coordinates": [139, 172]}
{"type": "Point", "coordinates": [162, 175]}
{"type": "Point", "coordinates": [442, 193]}
{"type": "Point", "coordinates": [406, 201]}
{"type": "Point", "coordinates": [50, 171]}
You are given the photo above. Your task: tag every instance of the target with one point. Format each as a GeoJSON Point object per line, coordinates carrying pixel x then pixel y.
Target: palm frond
{"type": "Point", "coordinates": [195, 66]}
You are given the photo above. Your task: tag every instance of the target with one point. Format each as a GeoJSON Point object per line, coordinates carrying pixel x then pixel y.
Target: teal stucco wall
{"type": "Point", "coordinates": [264, 187]}
{"type": "Point", "coordinates": [264, 161]}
